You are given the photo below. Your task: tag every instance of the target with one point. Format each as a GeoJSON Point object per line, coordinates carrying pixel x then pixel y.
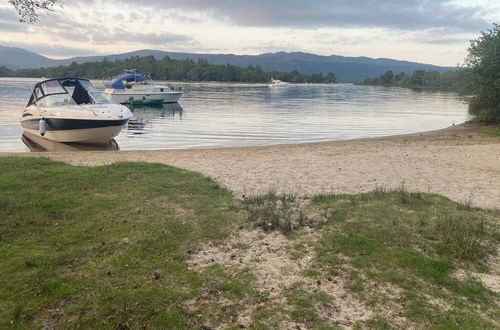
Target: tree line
{"type": "Point", "coordinates": [170, 69]}
{"type": "Point", "coordinates": [446, 81]}
{"type": "Point", "coordinates": [478, 80]}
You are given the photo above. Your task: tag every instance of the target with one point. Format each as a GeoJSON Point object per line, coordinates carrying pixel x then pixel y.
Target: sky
{"type": "Point", "coordinates": [435, 32]}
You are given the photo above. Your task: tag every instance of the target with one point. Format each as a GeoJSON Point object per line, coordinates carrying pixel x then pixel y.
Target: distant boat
{"type": "Point", "coordinates": [73, 110]}
{"type": "Point", "coordinates": [277, 83]}
{"type": "Point", "coordinates": [136, 89]}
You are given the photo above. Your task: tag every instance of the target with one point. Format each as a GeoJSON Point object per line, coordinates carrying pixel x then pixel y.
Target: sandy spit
{"type": "Point", "coordinates": [460, 162]}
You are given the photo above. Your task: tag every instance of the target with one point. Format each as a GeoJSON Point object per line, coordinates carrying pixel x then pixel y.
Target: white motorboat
{"type": "Point", "coordinates": [73, 110]}
{"type": "Point", "coordinates": [277, 83]}
{"type": "Point", "coordinates": [136, 89]}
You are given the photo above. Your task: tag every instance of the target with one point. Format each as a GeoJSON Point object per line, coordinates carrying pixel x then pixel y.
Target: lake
{"type": "Point", "coordinates": [213, 115]}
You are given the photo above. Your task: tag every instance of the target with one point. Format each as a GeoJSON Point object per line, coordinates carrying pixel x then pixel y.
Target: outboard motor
{"type": "Point", "coordinates": [42, 126]}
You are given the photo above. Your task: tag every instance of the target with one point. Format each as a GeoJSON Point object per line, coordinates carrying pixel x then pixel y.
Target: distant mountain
{"type": "Point", "coordinates": [347, 69]}
{"type": "Point", "coordinates": [17, 58]}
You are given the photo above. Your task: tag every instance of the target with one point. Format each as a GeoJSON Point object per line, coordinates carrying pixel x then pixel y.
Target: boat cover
{"type": "Point", "coordinates": [117, 83]}
{"type": "Point", "coordinates": [80, 89]}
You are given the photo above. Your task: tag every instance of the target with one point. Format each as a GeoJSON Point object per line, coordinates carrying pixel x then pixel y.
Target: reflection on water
{"type": "Point", "coordinates": [143, 116]}
{"type": "Point", "coordinates": [37, 144]}
{"type": "Point", "coordinates": [226, 114]}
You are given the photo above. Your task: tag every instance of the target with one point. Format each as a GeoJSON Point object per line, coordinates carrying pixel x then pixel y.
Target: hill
{"type": "Point", "coordinates": [17, 58]}
{"type": "Point", "coordinates": [347, 69]}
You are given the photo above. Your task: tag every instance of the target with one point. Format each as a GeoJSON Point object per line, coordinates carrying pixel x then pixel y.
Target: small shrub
{"type": "Point", "coordinates": [274, 211]}
{"type": "Point", "coordinates": [466, 205]}
{"type": "Point", "coordinates": [406, 196]}
{"type": "Point", "coordinates": [466, 238]}
{"type": "Point", "coordinates": [380, 192]}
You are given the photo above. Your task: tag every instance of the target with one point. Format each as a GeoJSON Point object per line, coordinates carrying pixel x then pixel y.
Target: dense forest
{"type": "Point", "coordinates": [169, 69]}
{"type": "Point", "coordinates": [446, 81]}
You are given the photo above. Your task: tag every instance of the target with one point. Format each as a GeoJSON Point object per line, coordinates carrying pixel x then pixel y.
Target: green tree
{"type": "Point", "coordinates": [5, 72]}
{"type": "Point", "coordinates": [482, 74]}
{"type": "Point", "coordinates": [417, 78]}
{"type": "Point", "coordinates": [331, 78]}
{"type": "Point", "coordinates": [386, 78]}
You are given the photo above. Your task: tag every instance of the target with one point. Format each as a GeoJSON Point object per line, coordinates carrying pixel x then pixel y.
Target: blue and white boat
{"type": "Point", "coordinates": [134, 88]}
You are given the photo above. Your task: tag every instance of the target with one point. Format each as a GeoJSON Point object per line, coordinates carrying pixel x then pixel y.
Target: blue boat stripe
{"type": "Point", "coordinates": [56, 124]}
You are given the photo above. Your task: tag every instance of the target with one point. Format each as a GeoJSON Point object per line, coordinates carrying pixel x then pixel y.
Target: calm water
{"type": "Point", "coordinates": [222, 115]}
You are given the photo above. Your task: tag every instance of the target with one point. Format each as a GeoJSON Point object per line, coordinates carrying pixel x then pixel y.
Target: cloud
{"type": "Point", "coordinates": [446, 41]}
{"type": "Point", "coordinates": [398, 14]}
{"type": "Point", "coordinates": [119, 35]}
{"type": "Point", "coordinates": [67, 32]}
{"type": "Point", "coordinates": [9, 21]}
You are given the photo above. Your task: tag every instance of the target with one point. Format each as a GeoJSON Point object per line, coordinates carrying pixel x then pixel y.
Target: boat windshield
{"type": "Point", "coordinates": [100, 98]}
{"type": "Point", "coordinates": [67, 91]}
{"type": "Point", "coordinates": [56, 100]}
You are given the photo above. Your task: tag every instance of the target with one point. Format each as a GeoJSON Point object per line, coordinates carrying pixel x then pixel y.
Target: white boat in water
{"type": "Point", "coordinates": [277, 83]}
{"type": "Point", "coordinates": [73, 110]}
{"type": "Point", "coordinates": [133, 88]}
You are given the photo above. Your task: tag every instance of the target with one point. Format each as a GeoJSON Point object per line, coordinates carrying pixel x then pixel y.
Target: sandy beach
{"type": "Point", "coordinates": [461, 162]}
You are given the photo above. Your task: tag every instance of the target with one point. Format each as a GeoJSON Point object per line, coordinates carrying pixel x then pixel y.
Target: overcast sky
{"type": "Point", "coordinates": [436, 32]}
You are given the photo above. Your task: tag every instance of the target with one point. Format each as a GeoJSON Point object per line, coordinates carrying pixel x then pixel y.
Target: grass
{"type": "Point", "coordinates": [107, 247]}
{"type": "Point", "coordinates": [494, 132]}
{"type": "Point", "coordinates": [465, 237]}
{"type": "Point", "coordinates": [414, 242]}
{"type": "Point", "coordinates": [305, 305]}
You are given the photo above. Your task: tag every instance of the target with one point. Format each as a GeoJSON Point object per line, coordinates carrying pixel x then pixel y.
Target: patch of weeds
{"type": "Point", "coordinates": [378, 322]}
{"type": "Point", "coordinates": [402, 194]}
{"type": "Point", "coordinates": [356, 284]}
{"type": "Point", "coordinates": [324, 326]}
{"type": "Point", "coordinates": [274, 211]}
{"type": "Point", "coordinates": [467, 205]}
{"type": "Point", "coordinates": [262, 297]}
{"type": "Point", "coordinates": [380, 192]}
{"type": "Point", "coordinates": [311, 273]}
{"type": "Point", "coordinates": [298, 250]}
{"type": "Point", "coordinates": [337, 215]}
{"type": "Point", "coordinates": [325, 198]}
{"type": "Point", "coordinates": [495, 132]}
{"type": "Point", "coordinates": [407, 197]}
{"type": "Point", "coordinates": [235, 285]}
{"type": "Point", "coordinates": [305, 305]}
{"type": "Point", "coordinates": [241, 246]}
{"type": "Point", "coordinates": [464, 237]}
{"type": "Point", "coordinates": [17, 314]}
{"type": "Point", "coordinates": [430, 316]}
{"type": "Point", "coordinates": [266, 317]}
{"type": "Point", "coordinates": [482, 268]}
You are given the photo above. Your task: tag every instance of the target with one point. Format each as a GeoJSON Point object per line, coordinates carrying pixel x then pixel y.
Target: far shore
{"type": "Point", "coordinates": [461, 162]}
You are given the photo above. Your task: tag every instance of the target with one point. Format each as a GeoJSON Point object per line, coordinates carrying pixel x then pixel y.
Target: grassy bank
{"type": "Point", "coordinates": [143, 245]}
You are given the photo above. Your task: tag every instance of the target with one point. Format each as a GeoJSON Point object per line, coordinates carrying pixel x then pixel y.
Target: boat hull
{"type": "Point", "coordinates": [76, 130]}
{"type": "Point", "coordinates": [125, 98]}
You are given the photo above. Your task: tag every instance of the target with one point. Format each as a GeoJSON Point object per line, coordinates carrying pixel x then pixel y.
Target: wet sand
{"type": "Point", "coordinates": [461, 162]}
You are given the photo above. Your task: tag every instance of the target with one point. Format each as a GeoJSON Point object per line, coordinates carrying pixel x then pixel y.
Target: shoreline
{"type": "Point", "coordinates": [460, 162]}
{"type": "Point", "coordinates": [468, 126]}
